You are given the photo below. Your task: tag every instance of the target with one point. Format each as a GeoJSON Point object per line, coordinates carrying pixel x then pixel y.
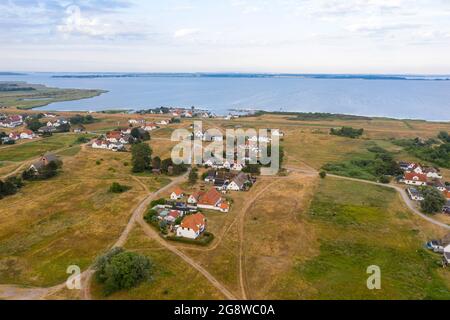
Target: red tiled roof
{"type": "Point", "coordinates": [419, 177]}
{"type": "Point", "coordinates": [177, 191]}
{"type": "Point", "coordinates": [210, 198]}
{"type": "Point", "coordinates": [194, 222]}
{"type": "Point", "coordinates": [114, 134]}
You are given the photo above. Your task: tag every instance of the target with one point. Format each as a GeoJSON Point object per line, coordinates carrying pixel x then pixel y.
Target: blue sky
{"type": "Point", "coordinates": [310, 36]}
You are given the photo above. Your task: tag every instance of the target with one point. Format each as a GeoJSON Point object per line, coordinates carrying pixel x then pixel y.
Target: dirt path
{"type": "Point", "coordinates": [151, 233]}
{"type": "Point", "coordinates": [242, 274]}
{"type": "Point", "coordinates": [13, 292]}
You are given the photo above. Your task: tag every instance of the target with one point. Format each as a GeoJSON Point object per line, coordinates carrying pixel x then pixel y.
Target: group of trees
{"type": "Point", "coordinates": [139, 135]}
{"type": "Point", "coordinates": [4, 135]}
{"type": "Point", "coordinates": [433, 201]}
{"type": "Point", "coordinates": [141, 159]}
{"type": "Point", "coordinates": [46, 172]}
{"type": "Point", "coordinates": [34, 124]}
{"type": "Point", "coordinates": [382, 167]}
{"type": "Point", "coordinates": [348, 132]}
{"type": "Point", "coordinates": [81, 119]}
{"type": "Point", "coordinates": [120, 270]}
{"type": "Point", "coordinates": [118, 188]}
{"type": "Point", "coordinates": [10, 186]}
{"type": "Point", "coordinates": [435, 150]}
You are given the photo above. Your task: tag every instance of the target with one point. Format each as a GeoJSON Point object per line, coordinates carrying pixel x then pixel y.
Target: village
{"type": "Point", "coordinates": [417, 177]}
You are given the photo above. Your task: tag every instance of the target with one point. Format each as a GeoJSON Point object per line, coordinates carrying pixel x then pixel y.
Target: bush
{"type": "Point", "coordinates": [385, 179]}
{"type": "Point", "coordinates": [118, 270]}
{"type": "Point", "coordinates": [204, 239]}
{"type": "Point", "coordinates": [154, 203]}
{"type": "Point", "coordinates": [347, 132]}
{"type": "Point", "coordinates": [433, 201]}
{"type": "Point", "coordinates": [323, 174]}
{"type": "Point", "coordinates": [118, 188]}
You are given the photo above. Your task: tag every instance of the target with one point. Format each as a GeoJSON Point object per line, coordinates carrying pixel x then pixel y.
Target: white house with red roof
{"type": "Point", "coordinates": [27, 134]}
{"type": "Point", "coordinates": [212, 200]}
{"type": "Point", "coordinates": [177, 194]}
{"type": "Point", "coordinates": [192, 226]}
{"type": "Point", "coordinates": [415, 179]}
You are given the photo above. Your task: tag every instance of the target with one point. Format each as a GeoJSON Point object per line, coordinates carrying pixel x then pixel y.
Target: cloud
{"type": "Point", "coordinates": [182, 33]}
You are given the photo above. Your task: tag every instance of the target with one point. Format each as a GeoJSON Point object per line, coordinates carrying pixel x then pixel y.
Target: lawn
{"type": "Point", "coordinates": [68, 220]}
{"type": "Point", "coordinates": [356, 226]}
{"type": "Point", "coordinates": [35, 149]}
{"type": "Point", "coordinates": [172, 278]}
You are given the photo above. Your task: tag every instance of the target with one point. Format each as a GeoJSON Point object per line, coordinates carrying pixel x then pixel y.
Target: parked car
{"type": "Point", "coordinates": [436, 246]}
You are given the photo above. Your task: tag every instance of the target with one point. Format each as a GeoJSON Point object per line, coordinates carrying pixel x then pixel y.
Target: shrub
{"type": "Point", "coordinates": [385, 179]}
{"type": "Point", "coordinates": [118, 188]}
{"type": "Point", "coordinates": [118, 270]}
{"type": "Point", "coordinates": [323, 174]}
{"type": "Point", "coordinates": [433, 201]}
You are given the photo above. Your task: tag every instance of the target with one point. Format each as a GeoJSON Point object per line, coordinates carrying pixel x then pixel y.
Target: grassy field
{"type": "Point", "coordinates": [172, 278]}
{"type": "Point", "coordinates": [31, 150]}
{"type": "Point", "coordinates": [351, 226]}
{"type": "Point", "coordinates": [68, 220]}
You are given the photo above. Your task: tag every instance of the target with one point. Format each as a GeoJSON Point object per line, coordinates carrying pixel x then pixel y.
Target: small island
{"type": "Point", "coordinates": [25, 96]}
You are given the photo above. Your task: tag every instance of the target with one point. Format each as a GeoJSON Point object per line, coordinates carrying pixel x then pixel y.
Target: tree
{"type": "Point", "coordinates": [165, 164]}
{"type": "Point", "coordinates": [119, 270]}
{"type": "Point", "coordinates": [323, 174]}
{"type": "Point", "coordinates": [118, 188]}
{"type": "Point", "coordinates": [385, 179]}
{"type": "Point", "coordinates": [141, 157]}
{"type": "Point", "coordinates": [193, 176]}
{"type": "Point", "coordinates": [433, 201]}
{"type": "Point", "coordinates": [156, 163]}
{"type": "Point", "coordinates": [34, 124]}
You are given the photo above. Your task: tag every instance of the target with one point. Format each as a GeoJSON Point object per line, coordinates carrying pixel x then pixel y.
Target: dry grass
{"type": "Point", "coordinates": [68, 220]}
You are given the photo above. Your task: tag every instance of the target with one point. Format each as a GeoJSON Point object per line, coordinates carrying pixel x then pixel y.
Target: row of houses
{"type": "Point", "coordinates": [418, 176]}
{"type": "Point", "coordinates": [142, 122]}
{"type": "Point", "coordinates": [24, 134]}
{"type": "Point", "coordinates": [12, 121]}
{"type": "Point", "coordinates": [209, 200]}
{"type": "Point", "coordinates": [229, 180]}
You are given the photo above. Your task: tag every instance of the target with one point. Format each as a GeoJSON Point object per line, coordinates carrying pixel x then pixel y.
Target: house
{"type": "Point", "coordinates": [172, 216]}
{"type": "Point", "coordinates": [177, 194]}
{"type": "Point", "coordinates": [446, 208]}
{"type": "Point", "coordinates": [12, 121]}
{"type": "Point", "coordinates": [149, 127]}
{"type": "Point", "coordinates": [239, 182]}
{"type": "Point", "coordinates": [113, 136]}
{"type": "Point", "coordinates": [133, 121]}
{"type": "Point", "coordinates": [446, 256]}
{"type": "Point", "coordinates": [163, 122]}
{"type": "Point", "coordinates": [192, 226]}
{"type": "Point", "coordinates": [416, 168]}
{"type": "Point", "coordinates": [212, 200]}
{"type": "Point", "coordinates": [193, 198]}
{"type": "Point", "coordinates": [79, 129]}
{"type": "Point", "coordinates": [432, 173]}
{"type": "Point", "coordinates": [447, 194]}
{"type": "Point", "coordinates": [14, 136]}
{"type": "Point", "coordinates": [438, 184]}
{"type": "Point", "coordinates": [210, 176]}
{"type": "Point", "coordinates": [277, 133]}
{"type": "Point", "coordinates": [47, 129]}
{"type": "Point", "coordinates": [100, 144]}
{"type": "Point", "coordinates": [415, 194]}
{"type": "Point", "coordinates": [44, 161]}
{"type": "Point", "coordinates": [417, 179]}
{"type": "Point", "coordinates": [27, 134]}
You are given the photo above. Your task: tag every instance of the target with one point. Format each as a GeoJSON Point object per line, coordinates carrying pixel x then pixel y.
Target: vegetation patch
{"type": "Point", "coordinates": [436, 151]}
{"type": "Point", "coordinates": [121, 270]}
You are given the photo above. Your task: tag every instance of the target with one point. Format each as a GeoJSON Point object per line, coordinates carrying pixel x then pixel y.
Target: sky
{"type": "Point", "coordinates": [274, 36]}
